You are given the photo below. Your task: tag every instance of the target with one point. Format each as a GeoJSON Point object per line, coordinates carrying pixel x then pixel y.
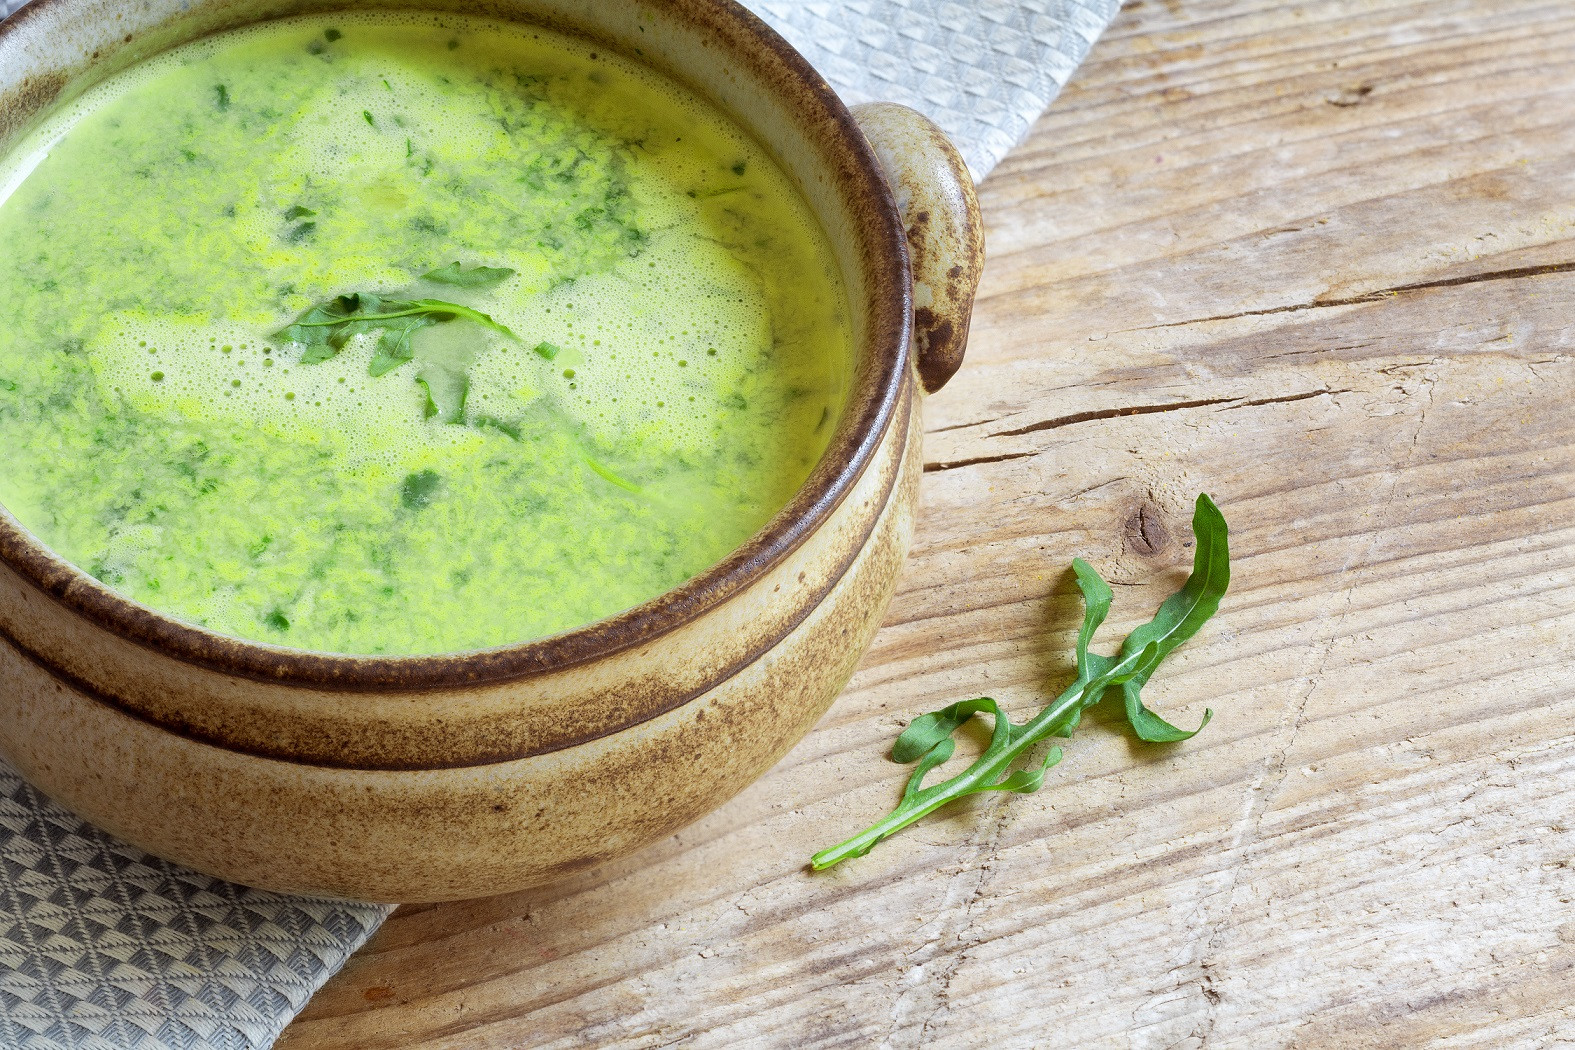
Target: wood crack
{"type": "Point", "coordinates": [1173, 406]}
{"type": "Point", "coordinates": [930, 468]}
{"type": "Point", "coordinates": [1117, 413]}
{"type": "Point", "coordinates": [1110, 413]}
{"type": "Point", "coordinates": [1286, 399]}
{"type": "Point", "coordinates": [1511, 274]}
{"type": "Point", "coordinates": [957, 426]}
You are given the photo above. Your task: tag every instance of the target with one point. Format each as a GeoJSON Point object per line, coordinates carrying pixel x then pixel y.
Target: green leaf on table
{"type": "Point", "coordinates": [926, 731]}
{"type": "Point", "coordinates": [1178, 619]}
{"type": "Point", "coordinates": [1027, 781]}
{"type": "Point", "coordinates": [935, 756]}
{"type": "Point", "coordinates": [1097, 597]}
{"type": "Point", "coordinates": [930, 739]}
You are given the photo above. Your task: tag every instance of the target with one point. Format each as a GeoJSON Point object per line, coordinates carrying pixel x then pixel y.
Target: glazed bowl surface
{"type": "Point", "coordinates": [424, 778]}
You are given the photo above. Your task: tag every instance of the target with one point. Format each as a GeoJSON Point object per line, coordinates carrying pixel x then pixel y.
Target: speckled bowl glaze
{"type": "Point", "coordinates": [430, 778]}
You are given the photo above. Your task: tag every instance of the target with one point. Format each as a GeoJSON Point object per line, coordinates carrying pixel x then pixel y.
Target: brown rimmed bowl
{"type": "Point", "coordinates": [431, 778]}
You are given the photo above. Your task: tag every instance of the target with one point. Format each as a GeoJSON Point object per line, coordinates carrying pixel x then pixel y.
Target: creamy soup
{"type": "Point", "coordinates": [405, 334]}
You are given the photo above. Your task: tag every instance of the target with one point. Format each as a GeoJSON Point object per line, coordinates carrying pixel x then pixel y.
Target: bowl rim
{"type": "Point", "coordinates": [882, 369]}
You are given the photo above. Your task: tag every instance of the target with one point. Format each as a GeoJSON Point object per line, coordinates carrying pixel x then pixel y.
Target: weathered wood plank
{"type": "Point", "coordinates": [1318, 260]}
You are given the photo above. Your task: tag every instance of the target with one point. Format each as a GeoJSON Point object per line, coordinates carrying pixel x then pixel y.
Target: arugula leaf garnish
{"type": "Point", "coordinates": [928, 740]}
{"type": "Point", "coordinates": [475, 277]}
{"type": "Point", "coordinates": [606, 474]}
{"type": "Point", "coordinates": [446, 390]}
{"type": "Point", "coordinates": [323, 330]}
{"type": "Point", "coordinates": [509, 430]}
{"type": "Point", "coordinates": [419, 488]}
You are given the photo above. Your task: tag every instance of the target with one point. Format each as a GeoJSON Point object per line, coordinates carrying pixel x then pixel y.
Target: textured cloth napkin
{"type": "Point", "coordinates": [103, 947]}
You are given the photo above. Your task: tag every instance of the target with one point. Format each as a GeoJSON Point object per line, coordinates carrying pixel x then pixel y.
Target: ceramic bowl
{"type": "Point", "coordinates": [430, 778]}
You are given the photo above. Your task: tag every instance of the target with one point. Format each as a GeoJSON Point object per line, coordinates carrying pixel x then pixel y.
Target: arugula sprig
{"type": "Point", "coordinates": [928, 740]}
{"type": "Point", "coordinates": [325, 329]}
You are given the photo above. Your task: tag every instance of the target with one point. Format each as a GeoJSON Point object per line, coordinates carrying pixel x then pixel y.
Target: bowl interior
{"type": "Point", "coordinates": [54, 50]}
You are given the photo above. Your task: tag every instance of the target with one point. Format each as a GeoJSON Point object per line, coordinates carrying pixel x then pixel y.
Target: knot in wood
{"type": "Point", "coordinates": [1145, 532]}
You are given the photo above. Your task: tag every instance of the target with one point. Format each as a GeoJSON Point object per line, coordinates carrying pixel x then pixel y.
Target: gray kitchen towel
{"type": "Point", "coordinates": [982, 69]}
{"type": "Point", "coordinates": [103, 947]}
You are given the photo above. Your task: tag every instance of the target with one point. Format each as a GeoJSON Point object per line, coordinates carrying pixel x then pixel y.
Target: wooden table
{"type": "Point", "coordinates": [1317, 259]}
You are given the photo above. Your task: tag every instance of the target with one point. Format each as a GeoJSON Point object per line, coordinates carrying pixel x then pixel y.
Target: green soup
{"type": "Point", "coordinates": [667, 351]}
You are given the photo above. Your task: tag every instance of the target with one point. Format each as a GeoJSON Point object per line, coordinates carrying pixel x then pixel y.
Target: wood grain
{"type": "Point", "coordinates": [1317, 259]}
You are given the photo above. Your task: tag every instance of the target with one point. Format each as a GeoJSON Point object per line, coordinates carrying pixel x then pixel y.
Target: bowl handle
{"type": "Point", "coordinates": [945, 234]}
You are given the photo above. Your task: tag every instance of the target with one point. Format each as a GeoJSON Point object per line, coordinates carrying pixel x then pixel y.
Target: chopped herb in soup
{"type": "Point", "coordinates": [401, 334]}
